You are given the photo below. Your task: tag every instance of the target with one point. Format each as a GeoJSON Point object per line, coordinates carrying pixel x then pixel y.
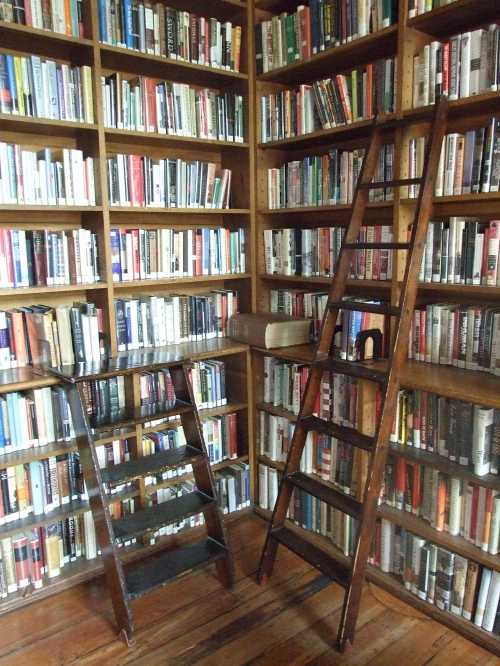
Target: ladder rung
{"type": "Point", "coordinates": [158, 570]}
{"type": "Point", "coordinates": [398, 182]}
{"type": "Point", "coordinates": [313, 555]}
{"type": "Point", "coordinates": [154, 517]}
{"type": "Point", "coordinates": [352, 369]}
{"type": "Point", "coordinates": [153, 464]}
{"type": "Point", "coordinates": [362, 306]}
{"type": "Point", "coordinates": [326, 493]}
{"type": "Point", "coordinates": [376, 246]}
{"type": "Point", "coordinates": [345, 434]}
{"type": "Point", "coordinates": [143, 414]}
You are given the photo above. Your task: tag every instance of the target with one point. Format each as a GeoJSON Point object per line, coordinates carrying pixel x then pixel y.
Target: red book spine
{"type": "Point", "coordinates": [136, 255]}
{"type": "Point", "coordinates": [446, 68]}
{"type": "Point", "coordinates": [473, 513]}
{"type": "Point", "coordinates": [376, 254]}
{"type": "Point", "coordinates": [233, 436]}
{"type": "Point", "coordinates": [20, 548]}
{"type": "Point", "coordinates": [198, 252]}
{"type": "Point", "coordinates": [8, 255]}
{"type": "Point", "coordinates": [35, 562]}
{"type": "Point", "coordinates": [423, 419]}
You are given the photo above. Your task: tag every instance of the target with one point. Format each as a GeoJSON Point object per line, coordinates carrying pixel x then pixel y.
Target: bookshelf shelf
{"type": "Point", "coordinates": [441, 463]}
{"type": "Point", "coordinates": [340, 208]}
{"type": "Point", "coordinates": [180, 211]}
{"type": "Point", "coordinates": [52, 209]}
{"type": "Point", "coordinates": [45, 126]}
{"type": "Point", "coordinates": [182, 280]}
{"type": "Point", "coordinates": [54, 289]}
{"type": "Point", "coordinates": [465, 107]}
{"type": "Point", "coordinates": [26, 37]}
{"type": "Point", "coordinates": [170, 140]}
{"type": "Point", "coordinates": [455, 17]}
{"type": "Point", "coordinates": [24, 379]}
{"type": "Point", "coordinates": [326, 281]}
{"type": "Point", "coordinates": [373, 46]}
{"type": "Point", "coordinates": [277, 411]}
{"type": "Point", "coordinates": [455, 290]}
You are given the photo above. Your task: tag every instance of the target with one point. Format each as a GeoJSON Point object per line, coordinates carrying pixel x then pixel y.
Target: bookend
{"type": "Point", "coordinates": [351, 575]}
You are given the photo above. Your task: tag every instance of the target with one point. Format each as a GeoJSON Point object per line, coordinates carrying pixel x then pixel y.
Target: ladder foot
{"type": "Point", "coordinates": [127, 638]}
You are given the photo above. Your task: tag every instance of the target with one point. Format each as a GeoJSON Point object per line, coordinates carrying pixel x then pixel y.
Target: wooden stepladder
{"type": "Point", "coordinates": [351, 576]}
{"type": "Point", "coordinates": [128, 582]}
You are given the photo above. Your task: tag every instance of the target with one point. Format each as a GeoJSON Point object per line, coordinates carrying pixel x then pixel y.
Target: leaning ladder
{"type": "Point", "coordinates": [351, 576]}
{"type": "Point", "coordinates": [129, 582]}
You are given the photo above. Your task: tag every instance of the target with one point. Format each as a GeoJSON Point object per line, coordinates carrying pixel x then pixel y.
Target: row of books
{"type": "Point", "coordinates": [46, 177]}
{"type": "Point", "coordinates": [316, 27]}
{"type": "Point", "coordinates": [208, 379]}
{"type": "Point", "coordinates": [66, 18]}
{"type": "Point", "coordinates": [170, 33]}
{"type": "Point", "coordinates": [233, 487]}
{"type": "Point", "coordinates": [462, 250]}
{"type": "Point", "coordinates": [448, 504]}
{"type": "Point", "coordinates": [469, 163]}
{"type": "Point", "coordinates": [284, 384]}
{"type": "Point", "coordinates": [140, 181]}
{"type": "Point", "coordinates": [449, 581]}
{"type": "Point", "coordinates": [417, 7]}
{"type": "Point", "coordinates": [466, 434]}
{"type": "Point", "coordinates": [326, 103]}
{"type": "Point", "coordinates": [315, 252]}
{"type": "Point", "coordinates": [465, 65]}
{"type": "Point", "coordinates": [143, 104]}
{"type": "Point", "coordinates": [154, 254]}
{"type": "Point", "coordinates": [48, 258]}
{"type": "Point", "coordinates": [42, 88]}
{"type": "Point", "coordinates": [300, 303]}
{"type": "Point", "coordinates": [56, 336]}
{"type": "Point", "coordinates": [155, 321]}
{"type": "Point", "coordinates": [460, 335]}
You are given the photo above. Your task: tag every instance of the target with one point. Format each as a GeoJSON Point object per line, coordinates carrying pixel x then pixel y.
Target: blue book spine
{"type": "Point", "coordinates": [129, 31]}
{"type": "Point", "coordinates": [75, 29]}
{"type": "Point", "coordinates": [2, 432]}
{"type": "Point", "coordinates": [116, 267]}
{"type": "Point", "coordinates": [103, 28]}
{"type": "Point", "coordinates": [205, 251]}
{"type": "Point", "coordinates": [16, 257]}
{"type": "Point", "coordinates": [355, 330]}
{"type": "Point", "coordinates": [37, 488]}
{"type": "Point", "coordinates": [12, 414]}
{"type": "Point", "coordinates": [11, 82]}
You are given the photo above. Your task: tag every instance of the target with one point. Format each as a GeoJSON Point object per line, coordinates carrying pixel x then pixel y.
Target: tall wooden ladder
{"type": "Point", "coordinates": [351, 576]}
{"type": "Point", "coordinates": [128, 582]}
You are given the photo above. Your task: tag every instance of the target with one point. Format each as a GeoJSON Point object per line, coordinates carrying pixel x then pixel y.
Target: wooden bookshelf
{"type": "Point", "coordinates": [403, 41]}
{"type": "Point", "coordinates": [100, 141]}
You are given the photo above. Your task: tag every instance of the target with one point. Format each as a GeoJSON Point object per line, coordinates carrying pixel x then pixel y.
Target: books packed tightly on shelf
{"type": "Point", "coordinates": [315, 252]}
{"type": "Point", "coordinates": [300, 303]}
{"type": "Point", "coordinates": [463, 66]}
{"type": "Point", "coordinates": [60, 335]}
{"type": "Point", "coordinates": [324, 104]}
{"type": "Point", "coordinates": [47, 177]}
{"type": "Point", "coordinates": [143, 104]}
{"type": "Point", "coordinates": [48, 258]}
{"type": "Point", "coordinates": [449, 581]}
{"type": "Point", "coordinates": [316, 27]}
{"type": "Point", "coordinates": [65, 18]}
{"type": "Point", "coordinates": [462, 250]}
{"type": "Point", "coordinates": [208, 379]}
{"type": "Point", "coordinates": [154, 254]}
{"type": "Point", "coordinates": [417, 7]}
{"type": "Point", "coordinates": [141, 181]}
{"type": "Point", "coordinates": [155, 321]}
{"type": "Point", "coordinates": [326, 180]}
{"type": "Point", "coordinates": [464, 336]}
{"type": "Point", "coordinates": [469, 163]}
{"type": "Point", "coordinates": [42, 88]}
{"type": "Point", "coordinates": [170, 33]}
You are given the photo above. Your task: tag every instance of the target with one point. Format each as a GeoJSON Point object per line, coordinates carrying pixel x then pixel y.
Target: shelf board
{"type": "Point", "coordinates": [21, 291]}
{"type": "Point", "coordinates": [326, 281]}
{"type": "Point", "coordinates": [390, 583]}
{"type": "Point", "coordinates": [476, 291]}
{"type": "Point", "coordinates": [458, 16]}
{"type": "Point", "coordinates": [26, 208]}
{"type": "Point", "coordinates": [178, 211]}
{"type": "Point", "coordinates": [24, 379]}
{"type": "Point", "coordinates": [423, 457]}
{"type": "Point", "coordinates": [277, 411]}
{"type": "Point", "coordinates": [45, 126]}
{"type": "Point", "coordinates": [175, 481]}
{"type": "Point", "coordinates": [484, 203]}
{"type": "Point", "coordinates": [358, 130]}
{"type": "Point", "coordinates": [155, 139]}
{"type": "Point", "coordinates": [129, 60]}
{"type": "Point", "coordinates": [297, 353]}
{"type": "Point", "coordinates": [181, 280]}
{"type": "Point", "coordinates": [365, 49]}
{"type": "Point", "coordinates": [324, 209]}
{"type": "Point", "coordinates": [230, 408]}
{"type": "Point", "coordinates": [25, 37]}
{"type": "Point", "coordinates": [36, 453]}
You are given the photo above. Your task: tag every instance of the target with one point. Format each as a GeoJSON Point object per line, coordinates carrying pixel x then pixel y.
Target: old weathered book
{"type": "Point", "coordinates": [269, 330]}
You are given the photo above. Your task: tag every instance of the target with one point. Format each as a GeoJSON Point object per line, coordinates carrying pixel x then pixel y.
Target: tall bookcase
{"type": "Point", "coordinates": [402, 40]}
{"type": "Point", "coordinates": [99, 142]}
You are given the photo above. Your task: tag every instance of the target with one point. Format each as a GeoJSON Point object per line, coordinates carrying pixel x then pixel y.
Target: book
{"type": "Point", "coordinates": [269, 330]}
{"type": "Point", "coordinates": [66, 18]}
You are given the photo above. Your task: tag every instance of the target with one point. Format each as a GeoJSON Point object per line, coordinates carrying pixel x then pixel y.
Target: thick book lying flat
{"type": "Point", "coordinates": [269, 330]}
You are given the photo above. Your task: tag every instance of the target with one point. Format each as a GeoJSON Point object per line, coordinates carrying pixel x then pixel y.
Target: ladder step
{"type": "Point", "coordinates": [352, 369]}
{"type": "Point", "coordinates": [345, 434]}
{"type": "Point", "coordinates": [158, 570]}
{"type": "Point", "coordinates": [326, 493]}
{"type": "Point", "coordinates": [398, 182]}
{"type": "Point", "coordinates": [153, 464]}
{"type": "Point", "coordinates": [313, 555]}
{"type": "Point", "coordinates": [376, 246]}
{"type": "Point", "coordinates": [154, 517]}
{"type": "Point", "coordinates": [142, 414]}
{"type": "Point", "coordinates": [363, 306]}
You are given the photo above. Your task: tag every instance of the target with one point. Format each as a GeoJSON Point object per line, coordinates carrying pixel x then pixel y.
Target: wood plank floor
{"type": "Point", "coordinates": [292, 620]}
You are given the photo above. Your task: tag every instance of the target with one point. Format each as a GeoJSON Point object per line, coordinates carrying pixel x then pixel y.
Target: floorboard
{"type": "Point", "coordinates": [289, 622]}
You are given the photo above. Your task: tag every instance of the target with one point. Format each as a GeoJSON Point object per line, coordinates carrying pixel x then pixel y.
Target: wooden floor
{"type": "Point", "coordinates": [292, 620]}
